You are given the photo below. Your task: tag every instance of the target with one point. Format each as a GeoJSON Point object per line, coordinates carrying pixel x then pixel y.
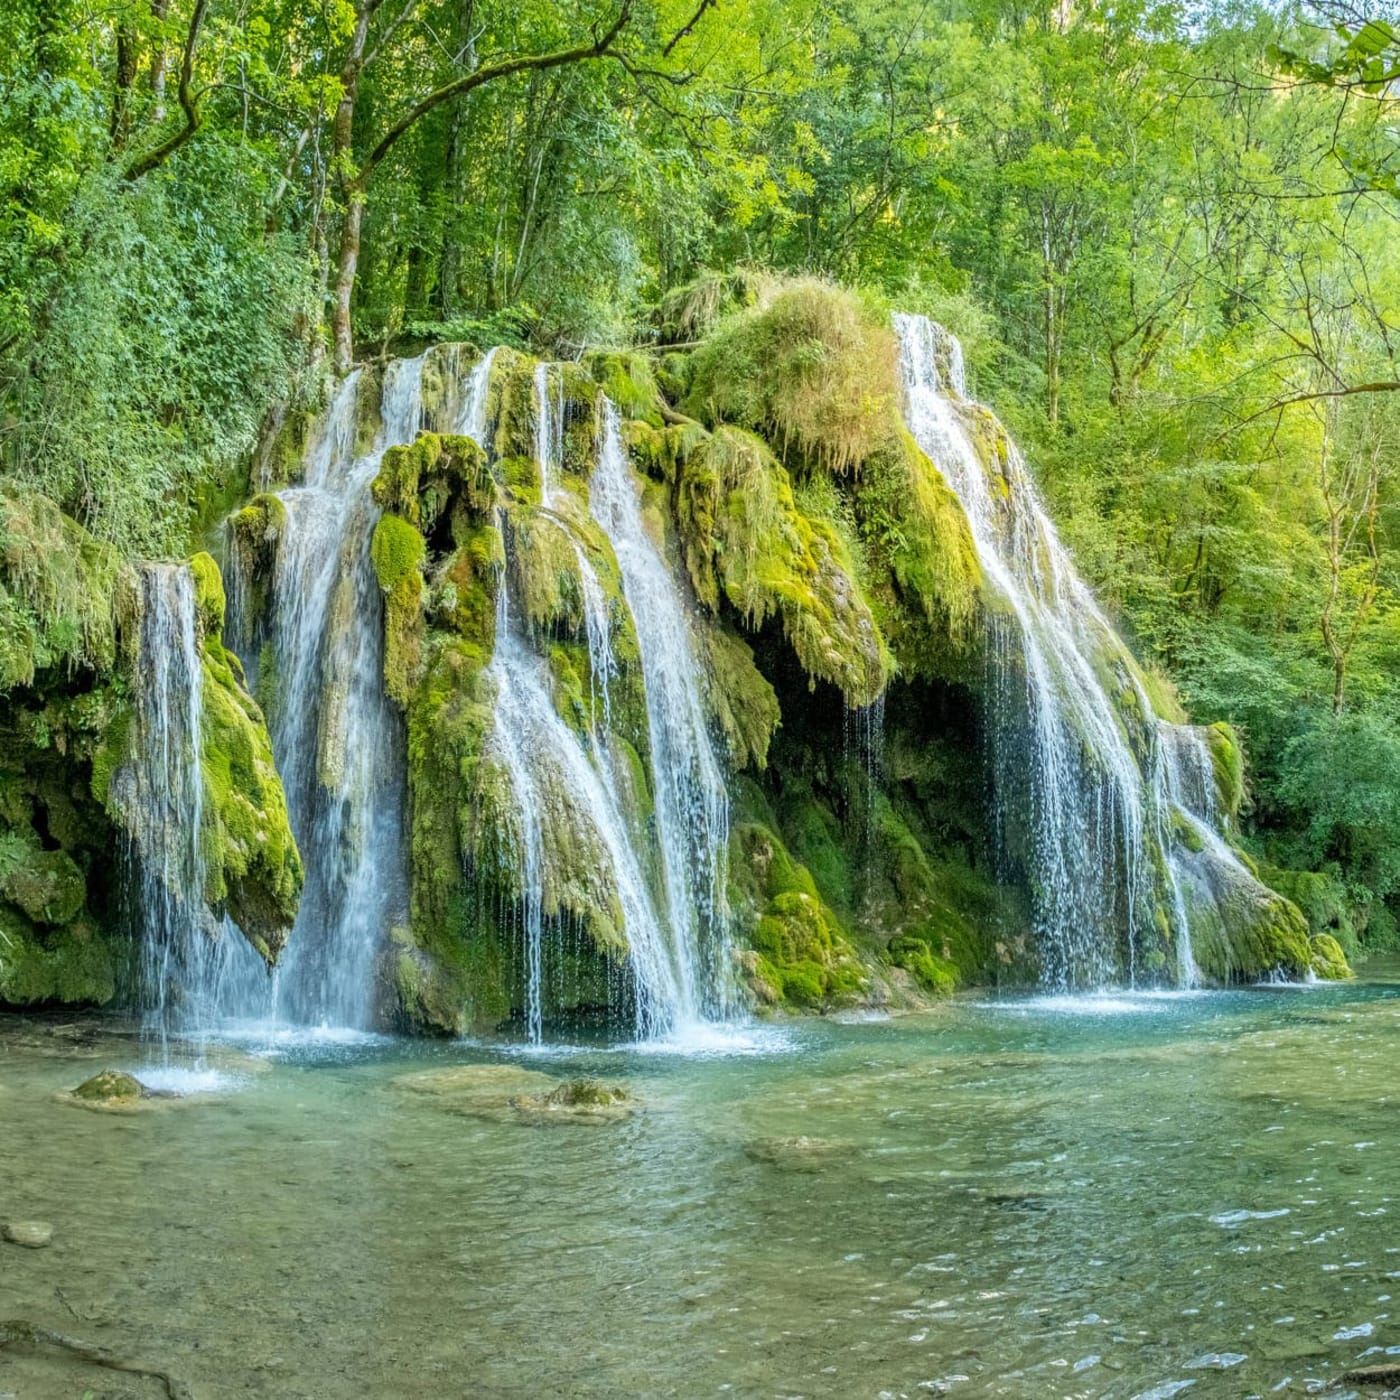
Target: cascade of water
{"type": "Point", "coordinates": [334, 731]}
{"type": "Point", "coordinates": [553, 779]}
{"type": "Point", "coordinates": [692, 803]}
{"type": "Point", "coordinates": [1184, 780]}
{"type": "Point", "coordinates": [1064, 764]}
{"type": "Point", "coordinates": [554, 784]}
{"type": "Point", "coordinates": [597, 616]}
{"type": "Point", "coordinates": [160, 793]}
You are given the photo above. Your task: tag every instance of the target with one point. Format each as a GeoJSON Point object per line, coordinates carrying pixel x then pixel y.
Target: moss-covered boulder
{"type": "Point", "coordinates": [109, 1084]}
{"type": "Point", "coordinates": [253, 867]}
{"type": "Point", "coordinates": [810, 365]}
{"type": "Point", "coordinates": [746, 540]}
{"type": "Point", "coordinates": [798, 956]}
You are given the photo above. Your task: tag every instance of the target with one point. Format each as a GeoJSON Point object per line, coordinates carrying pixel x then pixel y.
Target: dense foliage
{"type": "Point", "coordinates": [1165, 233]}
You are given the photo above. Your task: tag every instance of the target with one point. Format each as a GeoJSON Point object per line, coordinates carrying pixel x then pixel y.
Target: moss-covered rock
{"type": "Point", "coordinates": [811, 365]}
{"type": "Point", "coordinates": [109, 1084]}
{"type": "Point", "coordinates": [740, 698]}
{"type": "Point", "coordinates": [64, 595]}
{"type": "Point", "coordinates": [46, 886]}
{"type": "Point", "coordinates": [1328, 960]}
{"type": "Point", "coordinates": [210, 601]}
{"type": "Point", "coordinates": [396, 550]}
{"type": "Point", "coordinates": [253, 868]}
{"type": "Point", "coordinates": [746, 540]}
{"type": "Point", "coordinates": [922, 552]}
{"type": "Point", "coordinates": [797, 955]}
{"type": "Point", "coordinates": [1227, 764]}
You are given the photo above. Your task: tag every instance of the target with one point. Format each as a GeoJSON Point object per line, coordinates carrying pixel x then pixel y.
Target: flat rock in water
{"type": "Point", "coordinates": [797, 1154]}
{"type": "Point", "coordinates": [476, 1084]}
{"type": "Point", "coordinates": [32, 1234]}
{"type": "Point", "coordinates": [587, 1101]}
{"type": "Point", "coordinates": [508, 1093]}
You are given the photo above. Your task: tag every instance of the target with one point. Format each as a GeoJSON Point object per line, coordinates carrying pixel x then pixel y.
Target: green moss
{"type": "Point", "coordinates": [799, 954]}
{"type": "Point", "coordinates": [209, 599]}
{"type": "Point", "coordinates": [418, 481]}
{"type": "Point", "coordinates": [1328, 960]}
{"type": "Point", "coordinates": [252, 863]}
{"type": "Point", "coordinates": [396, 550]}
{"type": "Point", "coordinates": [46, 886]}
{"type": "Point", "coordinates": [254, 535]}
{"type": "Point", "coordinates": [546, 571]}
{"type": "Point", "coordinates": [64, 596]}
{"type": "Point", "coordinates": [811, 365]}
{"type": "Point", "coordinates": [109, 1084]}
{"type": "Point", "coordinates": [626, 377]}
{"type": "Point", "coordinates": [918, 539]}
{"type": "Point", "coordinates": [1322, 898]}
{"type": "Point", "coordinates": [1246, 932]}
{"type": "Point", "coordinates": [72, 965]}
{"type": "Point", "coordinates": [740, 698]}
{"type": "Point", "coordinates": [659, 452]}
{"type": "Point", "coordinates": [746, 540]}
{"type": "Point", "coordinates": [936, 975]}
{"type": "Point", "coordinates": [1227, 763]}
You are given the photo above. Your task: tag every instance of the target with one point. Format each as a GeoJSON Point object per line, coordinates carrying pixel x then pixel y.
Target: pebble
{"type": "Point", "coordinates": [32, 1234]}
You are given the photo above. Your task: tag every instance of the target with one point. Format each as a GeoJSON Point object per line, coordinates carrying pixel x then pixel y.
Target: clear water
{"type": "Point", "coordinates": [1040, 1197]}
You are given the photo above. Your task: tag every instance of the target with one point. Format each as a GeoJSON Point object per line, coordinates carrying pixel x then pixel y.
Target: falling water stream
{"type": "Point", "coordinates": [160, 793]}
{"type": "Point", "coordinates": [1064, 764]}
{"type": "Point", "coordinates": [335, 734]}
{"type": "Point", "coordinates": [692, 803]}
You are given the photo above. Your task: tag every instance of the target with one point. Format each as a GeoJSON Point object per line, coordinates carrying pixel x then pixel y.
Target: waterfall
{"type": "Point", "coordinates": [555, 780]}
{"type": "Point", "coordinates": [1067, 779]}
{"type": "Point", "coordinates": [336, 736]}
{"type": "Point", "coordinates": [160, 794]}
{"type": "Point", "coordinates": [692, 803]}
{"type": "Point", "coordinates": [555, 784]}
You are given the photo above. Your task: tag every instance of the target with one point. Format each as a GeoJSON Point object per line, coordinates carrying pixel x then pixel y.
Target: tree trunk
{"type": "Point", "coordinates": [346, 265]}
{"type": "Point", "coordinates": [352, 186]}
{"type": "Point", "coordinates": [125, 78]}
{"type": "Point", "coordinates": [159, 62]}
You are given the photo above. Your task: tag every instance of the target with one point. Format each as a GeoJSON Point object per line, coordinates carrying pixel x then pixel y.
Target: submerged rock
{"type": "Point", "coordinates": [1387, 1373]}
{"type": "Point", "coordinates": [507, 1093]}
{"type": "Point", "coordinates": [475, 1085]}
{"type": "Point", "coordinates": [577, 1101]}
{"type": "Point", "coordinates": [31, 1234]}
{"type": "Point", "coordinates": [797, 1154]}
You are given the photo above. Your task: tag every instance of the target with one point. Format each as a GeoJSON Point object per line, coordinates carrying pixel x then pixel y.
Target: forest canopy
{"type": "Point", "coordinates": [1165, 232]}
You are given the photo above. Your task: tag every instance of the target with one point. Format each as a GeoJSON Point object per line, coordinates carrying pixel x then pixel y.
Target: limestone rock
{"type": "Point", "coordinates": [31, 1234]}
{"type": "Point", "coordinates": [797, 1154]}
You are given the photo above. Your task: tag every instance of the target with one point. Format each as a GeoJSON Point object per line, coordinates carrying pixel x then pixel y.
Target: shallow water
{"type": "Point", "coordinates": [1127, 1196]}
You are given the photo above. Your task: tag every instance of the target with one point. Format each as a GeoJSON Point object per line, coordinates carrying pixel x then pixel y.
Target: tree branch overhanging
{"type": "Point", "coordinates": [189, 104]}
{"type": "Point", "coordinates": [601, 47]}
